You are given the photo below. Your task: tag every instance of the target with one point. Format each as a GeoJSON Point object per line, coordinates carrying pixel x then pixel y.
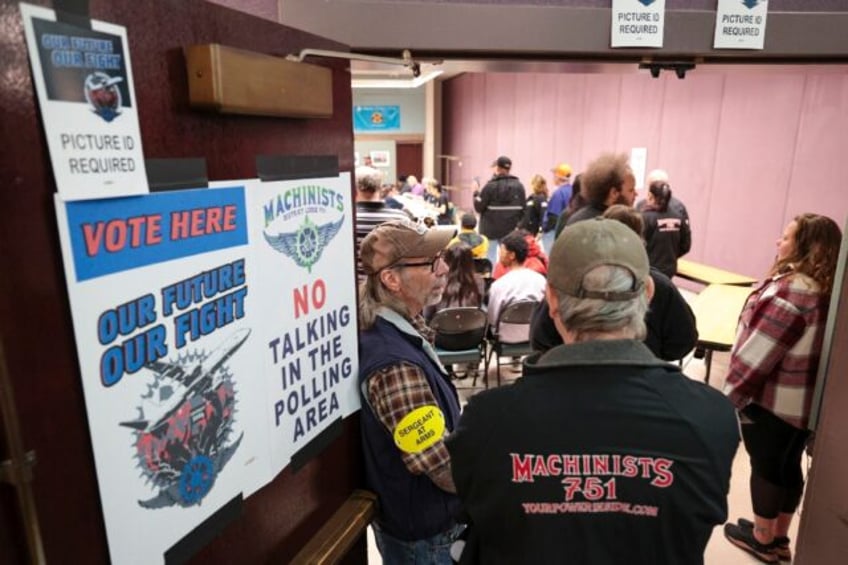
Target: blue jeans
{"type": "Point", "coordinates": [430, 551]}
{"type": "Point", "coordinates": [548, 238]}
{"type": "Point", "coordinates": [492, 253]}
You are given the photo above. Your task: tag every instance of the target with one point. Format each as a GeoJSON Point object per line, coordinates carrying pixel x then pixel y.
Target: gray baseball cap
{"type": "Point", "coordinates": [591, 243]}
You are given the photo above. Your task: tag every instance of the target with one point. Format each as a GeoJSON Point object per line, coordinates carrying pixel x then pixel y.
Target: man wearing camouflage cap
{"type": "Point", "coordinates": [601, 453]}
{"type": "Point", "coordinates": [408, 402]}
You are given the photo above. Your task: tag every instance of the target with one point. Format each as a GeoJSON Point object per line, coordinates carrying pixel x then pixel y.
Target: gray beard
{"type": "Point", "coordinates": [434, 298]}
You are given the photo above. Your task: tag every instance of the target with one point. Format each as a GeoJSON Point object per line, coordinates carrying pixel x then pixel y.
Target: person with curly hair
{"type": "Point", "coordinates": [606, 181]}
{"type": "Point", "coordinates": [772, 376]}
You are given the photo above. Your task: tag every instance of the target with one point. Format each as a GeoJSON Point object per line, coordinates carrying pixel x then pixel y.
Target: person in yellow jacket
{"type": "Point", "coordinates": [468, 235]}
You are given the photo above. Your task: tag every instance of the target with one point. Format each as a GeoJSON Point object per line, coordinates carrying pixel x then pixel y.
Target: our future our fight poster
{"type": "Point", "coordinates": [161, 289]}
{"type": "Point", "coordinates": [216, 335]}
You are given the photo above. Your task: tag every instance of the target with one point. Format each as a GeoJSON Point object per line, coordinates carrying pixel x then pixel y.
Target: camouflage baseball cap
{"type": "Point", "coordinates": [390, 242]}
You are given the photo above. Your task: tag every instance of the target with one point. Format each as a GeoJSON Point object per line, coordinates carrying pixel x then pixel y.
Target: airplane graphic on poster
{"type": "Point", "coordinates": [182, 434]}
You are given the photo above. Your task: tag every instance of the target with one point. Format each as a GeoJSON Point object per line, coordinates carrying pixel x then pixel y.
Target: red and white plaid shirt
{"type": "Point", "coordinates": [775, 358]}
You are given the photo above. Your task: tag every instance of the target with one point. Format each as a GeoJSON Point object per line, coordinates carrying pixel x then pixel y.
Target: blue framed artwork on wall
{"type": "Point", "coordinates": [376, 118]}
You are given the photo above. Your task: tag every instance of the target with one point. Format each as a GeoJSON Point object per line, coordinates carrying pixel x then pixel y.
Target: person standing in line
{"type": "Point", "coordinates": [500, 204]}
{"type": "Point", "coordinates": [672, 330]}
{"type": "Point", "coordinates": [371, 211]}
{"type": "Point", "coordinates": [606, 181]}
{"type": "Point", "coordinates": [772, 376]}
{"type": "Point", "coordinates": [576, 202]}
{"type": "Point", "coordinates": [601, 454]}
{"type": "Point", "coordinates": [674, 203]}
{"type": "Point", "coordinates": [536, 207]}
{"type": "Point", "coordinates": [667, 234]}
{"type": "Point", "coordinates": [406, 394]}
{"type": "Point", "coordinates": [558, 203]}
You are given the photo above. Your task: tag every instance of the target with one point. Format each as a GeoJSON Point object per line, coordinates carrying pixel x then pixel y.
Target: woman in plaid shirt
{"type": "Point", "coordinates": [772, 375]}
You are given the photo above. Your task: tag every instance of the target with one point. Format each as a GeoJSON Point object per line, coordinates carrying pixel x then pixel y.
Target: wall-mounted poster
{"type": "Point", "coordinates": [302, 232]}
{"type": "Point", "coordinates": [167, 332]}
{"type": "Point", "coordinates": [216, 336]}
{"type": "Point", "coordinates": [380, 158]}
{"type": "Point", "coordinates": [638, 162]}
{"type": "Point", "coordinates": [376, 118]}
{"type": "Point", "coordinates": [84, 81]}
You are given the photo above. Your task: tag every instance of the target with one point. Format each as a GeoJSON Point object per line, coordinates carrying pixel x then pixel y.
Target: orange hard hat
{"type": "Point", "coordinates": [562, 170]}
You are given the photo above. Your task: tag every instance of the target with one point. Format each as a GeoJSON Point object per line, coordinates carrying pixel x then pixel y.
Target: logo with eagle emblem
{"type": "Point", "coordinates": [305, 245]}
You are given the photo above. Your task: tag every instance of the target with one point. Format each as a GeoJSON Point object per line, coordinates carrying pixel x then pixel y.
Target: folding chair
{"type": "Point", "coordinates": [460, 336]}
{"type": "Point", "coordinates": [517, 313]}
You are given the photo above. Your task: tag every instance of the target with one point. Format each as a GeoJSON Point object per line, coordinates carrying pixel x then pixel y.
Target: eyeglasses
{"type": "Point", "coordinates": [432, 263]}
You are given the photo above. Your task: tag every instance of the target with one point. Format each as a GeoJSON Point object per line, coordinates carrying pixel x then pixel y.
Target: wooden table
{"type": "Point", "coordinates": [705, 274]}
{"type": "Point", "coordinates": [717, 310]}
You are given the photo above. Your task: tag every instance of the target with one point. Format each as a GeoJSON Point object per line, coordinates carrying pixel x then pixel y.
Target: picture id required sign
{"type": "Point", "coordinates": [84, 82]}
{"type": "Point", "coordinates": [637, 23]}
{"type": "Point", "coordinates": [740, 24]}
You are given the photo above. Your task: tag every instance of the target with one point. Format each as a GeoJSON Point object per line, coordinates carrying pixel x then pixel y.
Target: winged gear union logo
{"type": "Point", "coordinates": [305, 245]}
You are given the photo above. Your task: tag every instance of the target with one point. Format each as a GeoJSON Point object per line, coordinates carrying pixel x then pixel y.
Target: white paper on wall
{"type": "Point", "coordinates": [637, 23]}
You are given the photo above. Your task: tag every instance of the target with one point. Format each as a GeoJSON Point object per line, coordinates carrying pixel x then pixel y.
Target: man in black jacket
{"type": "Point", "coordinates": [607, 180]}
{"type": "Point", "coordinates": [672, 332]}
{"type": "Point", "coordinates": [500, 205]}
{"type": "Point", "coordinates": [601, 454]}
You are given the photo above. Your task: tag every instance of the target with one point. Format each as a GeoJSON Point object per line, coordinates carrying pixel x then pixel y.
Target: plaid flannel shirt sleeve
{"type": "Point", "coordinates": [394, 392]}
{"type": "Point", "coordinates": [775, 326]}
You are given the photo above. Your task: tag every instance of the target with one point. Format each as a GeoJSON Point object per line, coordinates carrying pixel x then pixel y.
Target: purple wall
{"type": "Point", "coordinates": [746, 149]}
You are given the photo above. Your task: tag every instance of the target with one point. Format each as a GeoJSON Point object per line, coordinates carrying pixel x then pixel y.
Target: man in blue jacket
{"type": "Point", "coordinates": [408, 402]}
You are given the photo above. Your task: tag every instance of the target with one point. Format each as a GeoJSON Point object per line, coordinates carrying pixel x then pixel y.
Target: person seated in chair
{"type": "Point", "coordinates": [468, 235]}
{"type": "Point", "coordinates": [536, 258]}
{"type": "Point", "coordinates": [464, 288]}
{"type": "Point", "coordinates": [517, 283]}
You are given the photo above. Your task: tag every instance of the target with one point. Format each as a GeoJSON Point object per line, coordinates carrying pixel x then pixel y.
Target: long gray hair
{"type": "Point", "coordinates": [587, 316]}
{"type": "Point", "coordinates": [373, 295]}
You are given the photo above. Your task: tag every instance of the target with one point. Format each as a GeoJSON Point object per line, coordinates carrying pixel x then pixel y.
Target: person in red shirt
{"type": "Point", "coordinates": [536, 259]}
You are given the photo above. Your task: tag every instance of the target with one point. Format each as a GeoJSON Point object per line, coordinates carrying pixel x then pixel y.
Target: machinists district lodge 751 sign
{"type": "Point", "coordinates": [85, 91]}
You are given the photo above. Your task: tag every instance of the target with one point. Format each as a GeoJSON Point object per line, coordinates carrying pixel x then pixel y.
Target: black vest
{"type": "Point", "coordinates": [412, 507]}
